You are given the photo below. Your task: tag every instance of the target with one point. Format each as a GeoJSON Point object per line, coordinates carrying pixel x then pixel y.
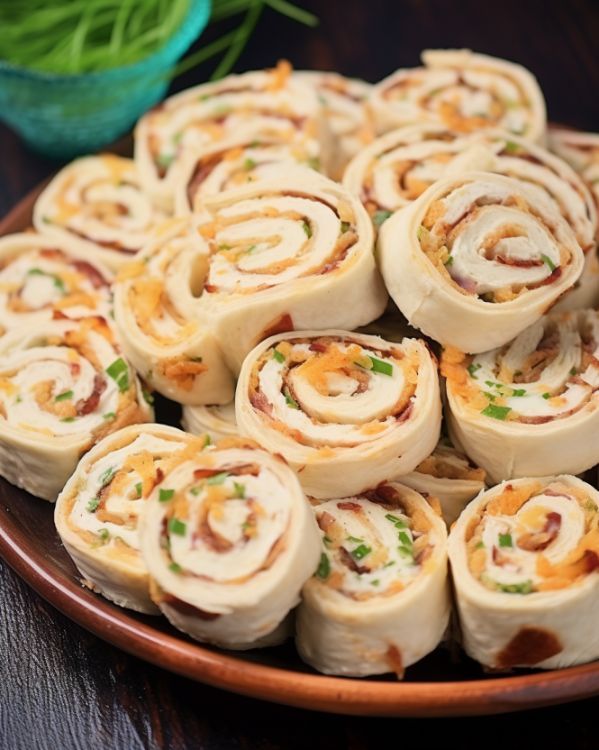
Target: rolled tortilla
{"type": "Point", "coordinates": [229, 540]}
{"type": "Point", "coordinates": [478, 258]}
{"type": "Point", "coordinates": [448, 475]}
{"type": "Point", "coordinates": [532, 404]}
{"type": "Point", "coordinates": [260, 104]}
{"type": "Point", "coordinates": [379, 600]}
{"type": "Point", "coordinates": [100, 204]}
{"type": "Point", "coordinates": [465, 92]}
{"type": "Point", "coordinates": [162, 322]}
{"type": "Point", "coordinates": [41, 279]}
{"type": "Point", "coordinates": [64, 385]}
{"type": "Point", "coordinates": [399, 166]}
{"type": "Point", "coordinates": [287, 254]}
{"type": "Point", "coordinates": [97, 513]}
{"type": "Point", "coordinates": [233, 163]}
{"type": "Point", "coordinates": [344, 104]}
{"type": "Point", "coordinates": [345, 410]}
{"type": "Point", "coordinates": [216, 421]}
{"type": "Point", "coordinates": [525, 561]}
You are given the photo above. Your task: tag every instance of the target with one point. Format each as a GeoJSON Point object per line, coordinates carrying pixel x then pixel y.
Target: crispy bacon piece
{"type": "Point", "coordinates": [356, 507]}
{"type": "Point", "coordinates": [90, 404]}
{"type": "Point", "coordinates": [536, 542]}
{"type": "Point", "coordinates": [188, 609]}
{"type": "Point", "coordinates": [95, 277]}
{"type": "Point", "coordinates": [260, 402]}
{"type": "Point", "coordinates": [325, 520]}
{"type": "Point", "coordinates": [349, 562]}
{"type": "Point", "coordinates": [591, 560]}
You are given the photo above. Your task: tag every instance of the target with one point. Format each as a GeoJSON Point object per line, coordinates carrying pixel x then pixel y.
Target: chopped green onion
{"type": "Point", "coordinates": [106, 476]}
{"type": "Point", "coordinates": [249, 164]}
{"type": "Point", "coordinates": [354, 539]}
{"type": "Point", "coordinates": [165, 495]}
{"type": "Point", "coordinates": [546, 396]}
{"type": "Point", "coordinates": [109, 415]}
{"type": "Point", "coordinates": [175, 567]}
{"type": "Point", "coordinates": [104, 535]}
{"type": "Point", "coordinates": [511, 147]}
{"type": "Point", "coordinates": [404, 538]}
{"type": "Point", "coordinates": [496, 412]}
{"type": "Point", "coordinates": [505, 540]}
{"type": "Point", "coordinates": [361, 551]}
{"type": "Point", "coordinates": [289, 400]}
{"type": "Point", "coordinates": [515, 588]}
{"type": "Point", "coordinates": [148, 397]}
{"type": "Point", "coordinates": [518, 391]}
{"type": "Point", "coordinates": [92, 506]}
{"type": "Point", "coordinates": [239, 490]}
{"type": "Point", "coordinates": [175, 526]}
{"type": "Point", "coordinates": [68, 419]}
{"type": "Point", "coordinates": [64, 396]}
{"type": "Point", "coordinates": [307, 229]}
{"type": "Point", "coordinates": [278, 356]}
{"type": "Point", "coordinates": [119, 372]}
{"type": "Point", "coordinates": [138, 488]}
{"type": "Point", "coordinates": [217, 478]}
{"type": "Point", "coordinates": [398, 522]}
{"type": "Point", "coordinates": [548, 262]}
{"type": "Point", "coordinates": [472, 368]}
{"type": "Point", "coordinates": [344, 226]}
{"type": "Point", "coordinates": [378, 365]}
{"type": "Point", "coordinates": [324, 567]}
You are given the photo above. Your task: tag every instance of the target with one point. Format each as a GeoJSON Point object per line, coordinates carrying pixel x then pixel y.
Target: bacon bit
{"type": "Point", "coordinates": [395, 661]}
{"type": "Point", "coordinates": [325, 521]}
{"type": "Point", "coordinates": [405, 414]}
{"type": "Point", "coordinates": [187, 609]}
{"type": "Point", "coordinates": [75, 369]}
{"type": "Point", "coordinates": [350, 563]}
{"type": "Point", "coordinates": [424, 554]}
{"type": "Point", "coordinates": [90, 404]}
{"type": "Point", "coordinates": [318, 346]}
{"type": "Point", "coordinates": [58, 315]}
{"type": "Point", "coordinates": [528, 647]}
{"type": "Point", "coordinates": [553, 276]}
{"type": "Point", "coordinates": [536, 542]}
{"type": "Point", "coordinates": [260, 402]}
{"type": "Point", "coordinates": [590, 560]}
{"type": "Point", "coordinates": [159, 476]}
{"type": "Point", "coordinates": [356, 507]}
{"type": "Point", "coordinates": [282, 324]}
{"type": "Point", "coordinates": [205, 473]}
{"type": "Point", "coordinates": [387, 495]}
{"type": "Point", "coordinates": [243, 469]}
{"type": "Point", "coordinates": [95, 277]}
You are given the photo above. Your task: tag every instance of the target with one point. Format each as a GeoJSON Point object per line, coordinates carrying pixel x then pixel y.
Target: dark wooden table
{"type": "Point", "coordinates": [62, 688]}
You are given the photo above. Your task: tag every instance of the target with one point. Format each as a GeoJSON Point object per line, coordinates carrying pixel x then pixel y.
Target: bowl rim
{"type": "Point", "coordinates": [195, 21]}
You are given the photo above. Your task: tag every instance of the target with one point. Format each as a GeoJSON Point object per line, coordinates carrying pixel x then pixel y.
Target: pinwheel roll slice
{"type": "Point", "coordinates": [233, 163]}
{"type": "Point", "coordinates": [216, 421]}
{"type": "Point", "coordinates": [379, 599]}
{"type": "Point", "coordinates": [478, 258]}
{"type": "Point", "coordinates": [465, 92]}
{"type": "Point", "coordinates": [97, 513]}
{"type": "Point", "coordinates": [158, 312]}
{"type": "Point", "coordinates": [41, 278]}
{"type": "Point", "coordinates": [99, 203]}
{"type": "Point", "coordinates": [345, 410]}
{"type": "Point", "coordinates": [229, 540]}
{"type": "Point", "coordinates": [63, 386]}
{"type": "Point", "coordinates": [344, 103]}
{"type": "Point", "coordinates": [525, 562]}
{"type": "Point", "coordinates": [399, 166]}
{"type": "Point", "coordinates": [262, 104]}
{"type": "Point", "coordinates": [581, 151]}
{"type": "Point", "coordinates": [448, 475]}
{"type": "Point", "coordinates": [286, 254]}
{"type": "Point", "coordinates": [533, 403]}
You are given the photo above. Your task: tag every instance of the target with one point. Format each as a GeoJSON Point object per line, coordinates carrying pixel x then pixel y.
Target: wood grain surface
{"type": "Point", "coordinates": [63, 688]}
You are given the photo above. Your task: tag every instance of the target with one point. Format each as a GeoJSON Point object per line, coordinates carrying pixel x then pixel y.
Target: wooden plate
{"type": "Point", "coordinates": [446, 683]}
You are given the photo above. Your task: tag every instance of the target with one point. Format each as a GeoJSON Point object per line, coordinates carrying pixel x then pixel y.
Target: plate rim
{"type": "Point", "coordinates": [340, 695]}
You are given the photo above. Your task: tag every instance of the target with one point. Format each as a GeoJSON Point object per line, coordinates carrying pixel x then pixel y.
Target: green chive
{"type": "Point", "coordinates": [239, 490]}
{"type": "Point", "coordinates": [92, 506]}
{"type": "Point", "coordinates": [175, 567]}
{"type": "Point", "coordinates": [119, 372]}
{"type": "Point", "coordinates": [548, 262]}
{"type": "Point", "coordinates": [449, 261]}
{"type": "Point", "coordinates": [505, 540]}
{"type": "Point", "coordinates": [278, 356]}
{"type": "Point", "coordinates": [398, 522]}
{"type": "Point", "coordinates": [511, 147]}
{"type": "Point", "coordinates": [480, 545]}
{"type": "Point", "coordinates": [109, 415]}
{"type": "Point", "coordinates": [307, 229]}
{"type": "Point", "coordinates": [375, 582]}
{"type": "Point", "coordinates": [195, 491]}
{"type": "Point", "coordinates": [380, 217]}
{"type": "Point", "coordinates": [344, 226]}
{"type": "Point", "coordinates": [324, 567]}
{"type": "Point", "coordinates": [217, 478]}
{"type": "Point", "coordinates": [354, 539]}
{"type": "Point", "coordinates": [251, 249]}
{"type": "Point", "coordinates": [165, 495]}
{"type": "Point", "coordinates": [207, 441]}
{"type": "Point", "coordinates": [314, 163]}
{"type": "Point", "coordinates": [138, 488]}
{"type": "Point", "coordinates": [490, 396]}
{"type": "Point", "coordinates": [405, 551]}
{"type": "Point", "coordinates": [378, 365]}
{"type": "Point", "coordinates": [165, 160]}
{"type": "Point", "coordinates": [64, 396]}
{"type": "Point", "coordinates": [404, 538]}
{"type": "Point", "coordinates": [472, 368]}
{"type": "Point", "coordinates": [175, 526]}
{"type": "Point", "coordinates": [104, 535]}
{"type": "Point", "coordinates": [249, 164]}
{"type": "Point", "coordinates": [573, 371]}
{"type": "Point", "coordinates": [361, 551]}
{"type": "Point", "coordinates": [290, 401]}
{"type": "Point", "coordinates": [148, 397]}
{"type": "Point", "coordinates": [327, 540]}
{"type": "Point", "coordinates": [496, 412]}
{"type": "Point", "coordinates": [106, 476]}
{"type": "Point", "coordinates": [546, 396]}
{"type": "Point", "coordinates": [516, 588]}
{"type": "Point", "coordinates": [68, 419]}
{"type": "Point", "coordinates": [518, 392]}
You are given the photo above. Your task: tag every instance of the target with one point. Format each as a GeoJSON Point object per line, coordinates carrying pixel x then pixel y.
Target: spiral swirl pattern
{"type": "Point", "coordinates": [525, 557]}
{"type": "Point", "coordinates": [97, 514]}
{"type": "Point", "coordinates": [343, 409]}
{"type": "Point", "coordinates": [41, 279]}
{"type": "Point", "coordinates": [99, 204]}
{"type": "Point", "coordinates": [486, 255]}
{"type": "Point", "coordinates": [229, 540]}
{"type": "Point", "coordinates": [380, 588]}
{"type": "Point", "coordinates": [261, 104]}
{"type": "Point", "coordinates": [463, 91]}
{"type": "Point", "coordinates": [535, 400]}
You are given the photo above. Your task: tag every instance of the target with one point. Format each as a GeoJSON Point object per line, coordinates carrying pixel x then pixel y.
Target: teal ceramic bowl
{"type": "Point", "coordinates": [63, 116]}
